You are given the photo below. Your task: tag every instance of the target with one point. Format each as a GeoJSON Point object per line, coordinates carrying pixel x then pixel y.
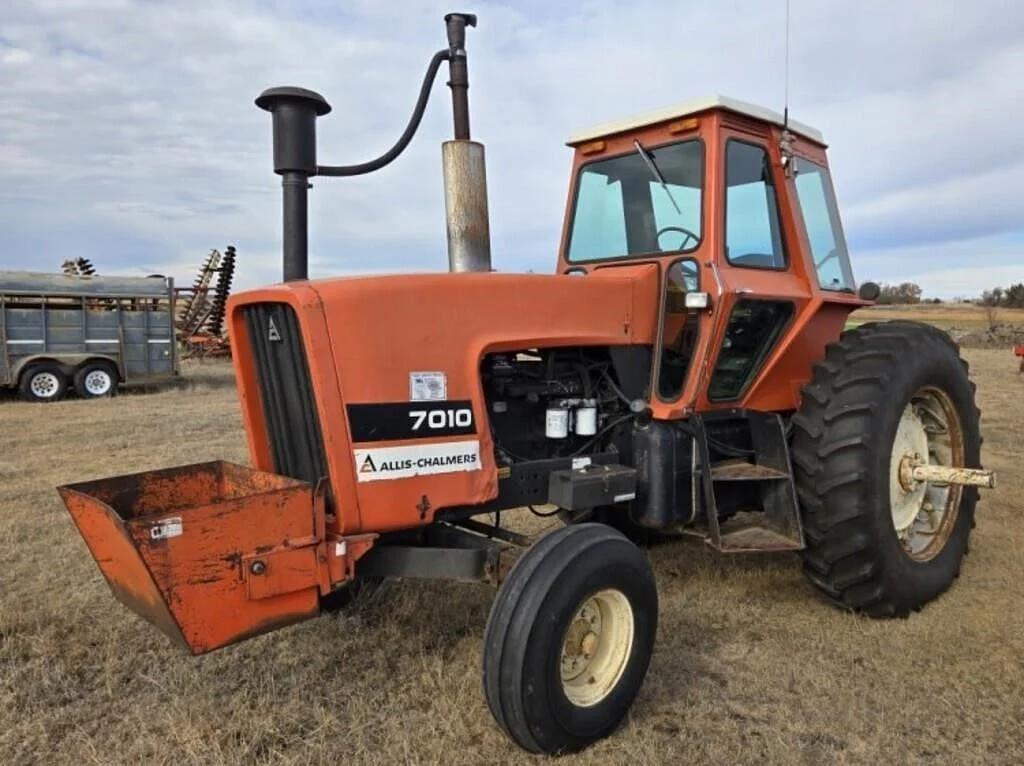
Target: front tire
{"type": "Point", "coordinates": [884, 394]}
{"type": "Point", "coordinates": [569, 639]}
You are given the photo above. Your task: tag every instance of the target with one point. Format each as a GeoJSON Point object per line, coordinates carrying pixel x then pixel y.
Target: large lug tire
{"type": "Point", "coordinates": [43, 383]}
{"type": "Point", "coordinates": [96, 380]}
{"type": "Point", "coordinates": [885, 393]}
{"type": "Point", "coordinates": [569, 638]}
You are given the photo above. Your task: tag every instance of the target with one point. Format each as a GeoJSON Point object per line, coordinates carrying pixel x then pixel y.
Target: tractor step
{"type": "Point", "coordinates": [745, 471]}
{"type": "Point", "coordinates": [750, 502]}
{"type": "Point", "coordinates": [747, 532]}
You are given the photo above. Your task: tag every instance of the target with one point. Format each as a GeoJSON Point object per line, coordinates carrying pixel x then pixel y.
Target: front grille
{"type": "Point", "coordinates": [286, 390]}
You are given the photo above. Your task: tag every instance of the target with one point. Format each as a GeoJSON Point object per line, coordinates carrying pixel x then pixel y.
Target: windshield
{"type": "Point", "coordinates": [647, 201]}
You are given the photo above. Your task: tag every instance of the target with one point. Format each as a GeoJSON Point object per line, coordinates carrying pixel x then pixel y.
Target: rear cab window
{"type": "Point", "coordinates": [822, 225]}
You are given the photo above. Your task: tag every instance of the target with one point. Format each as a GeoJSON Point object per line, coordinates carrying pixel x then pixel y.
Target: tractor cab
{"type": "Point", "coordinates": [737, 210]}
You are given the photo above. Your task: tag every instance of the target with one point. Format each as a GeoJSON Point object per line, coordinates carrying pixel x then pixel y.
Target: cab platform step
{"type": "Point", "coordinates": [750, 502]}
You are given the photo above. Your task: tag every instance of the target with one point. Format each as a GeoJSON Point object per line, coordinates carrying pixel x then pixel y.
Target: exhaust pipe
{"type": "Point", "coordinates": [465, 174]}
{"type": "Point", "coordinates": [294, 112]}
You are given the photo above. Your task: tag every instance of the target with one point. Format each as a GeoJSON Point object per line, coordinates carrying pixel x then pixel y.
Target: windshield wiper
{"type": "Point", "coordinates": [648, 159]}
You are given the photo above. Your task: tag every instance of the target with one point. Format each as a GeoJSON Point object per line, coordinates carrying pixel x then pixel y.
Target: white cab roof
{"type": "Point", "coordinates": [693, 107]}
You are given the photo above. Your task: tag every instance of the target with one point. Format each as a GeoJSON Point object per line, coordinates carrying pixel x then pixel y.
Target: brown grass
{"type": "Point", "coordinates": [963, 316]}
{"type": "Point", "coordinates": [750, 667]}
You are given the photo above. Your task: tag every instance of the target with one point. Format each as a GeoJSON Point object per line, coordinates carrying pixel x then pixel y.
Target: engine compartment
{"type": "Point", "coordinates": [557, 403]}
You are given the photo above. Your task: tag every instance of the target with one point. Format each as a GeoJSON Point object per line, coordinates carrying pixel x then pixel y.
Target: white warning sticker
{"type": "Point", "coordinates": [428, 386]}
{"type": "Point", "coordinates": [166, 528]}
{"type": "Point", "coordinates": [377, 463]}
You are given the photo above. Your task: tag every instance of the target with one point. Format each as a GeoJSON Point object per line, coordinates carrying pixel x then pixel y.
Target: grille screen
{"type": "Point", "coordinates": [286, 390]}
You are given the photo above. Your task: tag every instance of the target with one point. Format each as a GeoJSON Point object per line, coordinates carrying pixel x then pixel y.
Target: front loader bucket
{"type": "Point", "coordinates": [210, 553]}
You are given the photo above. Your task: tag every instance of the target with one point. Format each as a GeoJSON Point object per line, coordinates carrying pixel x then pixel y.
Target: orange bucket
{"type": "Point", "coordinates": [210, 553]}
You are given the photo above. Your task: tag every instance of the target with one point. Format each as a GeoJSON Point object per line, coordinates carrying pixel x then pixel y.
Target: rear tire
{"type": "Point", "coordinates": [874, 384]}
{"type": "Point", "coordinates": [44, 382]}
{"type": "Point", "coordinates": [96, 380]}
{"type": "Point", "coordinates": [569, 639]}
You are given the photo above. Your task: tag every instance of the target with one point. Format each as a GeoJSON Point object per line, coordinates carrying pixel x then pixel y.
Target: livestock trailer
{"type": "Point", "coordinates": [89, 333]}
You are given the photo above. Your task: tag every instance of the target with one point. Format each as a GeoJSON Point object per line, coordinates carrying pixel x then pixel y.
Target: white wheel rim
{"type": "Point", "coordinates": [44, 385]}
{"type": "Point", "coordinates": [596, 647]}
{"type": "Point", "coordinates": [98, 382]}
{"type": "Point", "coordinates": [929, 433]}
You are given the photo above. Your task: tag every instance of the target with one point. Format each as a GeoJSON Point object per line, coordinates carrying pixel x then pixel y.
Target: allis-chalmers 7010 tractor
{"type": "Point", "coordinates": [685, 371]}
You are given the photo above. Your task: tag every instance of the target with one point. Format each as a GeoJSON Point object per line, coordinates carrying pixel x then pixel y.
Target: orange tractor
{"type": "Point", "coordinates": [684, 372]}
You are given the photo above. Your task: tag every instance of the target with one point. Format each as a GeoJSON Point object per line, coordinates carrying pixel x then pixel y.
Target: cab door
{"type": "Point", "coordinates": [757, 260]}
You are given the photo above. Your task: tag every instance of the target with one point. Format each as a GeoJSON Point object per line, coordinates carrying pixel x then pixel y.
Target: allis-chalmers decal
{"type": "Point", "coordinates": [411, 460]}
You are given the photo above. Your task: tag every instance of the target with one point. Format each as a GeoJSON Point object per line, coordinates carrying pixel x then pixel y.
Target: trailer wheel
{"type": "Point", "coordinates": [96, 380]}
{"type": "Point", "coordinates": [569, 638]}
{"type": "Point", "coordinates": [885, 393]}
{"type": "Point", "coordinates": [44, 382]}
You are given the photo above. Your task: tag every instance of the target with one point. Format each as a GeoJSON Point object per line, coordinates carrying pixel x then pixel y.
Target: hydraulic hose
{"type": "Point", "coordinates": [405, 138]}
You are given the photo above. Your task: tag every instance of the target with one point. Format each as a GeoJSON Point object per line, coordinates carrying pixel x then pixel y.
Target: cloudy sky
{"type": "Point", "coordinates": [128, 133]}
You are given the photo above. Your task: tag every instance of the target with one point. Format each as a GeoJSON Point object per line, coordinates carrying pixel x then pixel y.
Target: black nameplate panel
{"type": "Point", "coordinates": [392, 421]}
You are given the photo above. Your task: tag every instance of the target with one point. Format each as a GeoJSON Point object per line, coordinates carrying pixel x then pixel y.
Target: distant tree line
{"type": "Point", "coordinates": [905, 292]}
{"type": "Point", "coordinates": [1011, 297]}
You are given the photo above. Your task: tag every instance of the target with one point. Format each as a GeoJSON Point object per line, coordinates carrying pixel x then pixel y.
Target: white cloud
{"type": "Point", "coordinates": [130, 134]}
{"type": "Point", "coordinates": [947, 269]}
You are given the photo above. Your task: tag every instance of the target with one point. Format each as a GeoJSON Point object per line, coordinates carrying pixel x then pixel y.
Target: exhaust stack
{"type": "Point", "coordinates": [465, 176]}
{"type": "Point", "coordinates": [294, 112]}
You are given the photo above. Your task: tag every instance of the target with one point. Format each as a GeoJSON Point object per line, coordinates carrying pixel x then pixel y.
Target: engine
{"type": "Point", "coordinates": [555, 403]}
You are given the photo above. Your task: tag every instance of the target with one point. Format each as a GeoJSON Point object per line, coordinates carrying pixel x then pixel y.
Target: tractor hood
{"type": "Point", "coordinates": [378, 346]}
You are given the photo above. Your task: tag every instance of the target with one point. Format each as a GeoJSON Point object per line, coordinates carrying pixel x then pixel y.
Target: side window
{"type": "Point", "coordinates": [599, 226]}
{"type": "Point", "coordinates": [754, 328]}
{"type": "Point", "coordinates": [753, 234]}
{"type": "Point", "coordinates": [821, 222]}
{"type": "Point", "coordinates": [679, 330]}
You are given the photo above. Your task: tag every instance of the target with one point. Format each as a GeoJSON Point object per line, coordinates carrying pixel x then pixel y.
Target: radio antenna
{"type": "Point", "coordinates": [785, 98]}
{"type": "Point", "coordinates": [786, 139]}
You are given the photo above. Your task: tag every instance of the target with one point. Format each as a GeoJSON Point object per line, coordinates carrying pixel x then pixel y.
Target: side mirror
{"type": "Point", "coordinates": [869, 291]}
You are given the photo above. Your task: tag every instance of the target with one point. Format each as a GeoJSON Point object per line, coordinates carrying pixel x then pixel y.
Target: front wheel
{"type": "Point", "coordinates": [887, 398]}
{"type": "Point", "coordinates": [569, 638]}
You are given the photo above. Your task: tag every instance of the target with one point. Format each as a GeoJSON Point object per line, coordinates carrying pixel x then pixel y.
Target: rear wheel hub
{"type": "Point", "coordinates": [929, 433]}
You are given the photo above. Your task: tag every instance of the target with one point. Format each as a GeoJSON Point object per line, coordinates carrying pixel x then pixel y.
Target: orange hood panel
{"type": "Point", "coordinates": [364, 336]}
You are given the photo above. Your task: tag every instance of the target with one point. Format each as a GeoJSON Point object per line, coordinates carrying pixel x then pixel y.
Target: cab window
{"type": "Point", "coordinates": [821, 223]}
{"type": "Point", "coordinates": [753, 233]}
{"type": "Point", "coordinates": [648, 201]}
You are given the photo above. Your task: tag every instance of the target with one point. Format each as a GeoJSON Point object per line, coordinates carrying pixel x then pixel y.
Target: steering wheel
{"type": "Point", "coordinates": [687, 236]}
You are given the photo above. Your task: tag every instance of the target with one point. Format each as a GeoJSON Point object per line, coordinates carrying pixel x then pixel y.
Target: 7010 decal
{"type": "Point", "coordinates": [392, 421]}
{"type": "Point", "coordinates": [438, 420]}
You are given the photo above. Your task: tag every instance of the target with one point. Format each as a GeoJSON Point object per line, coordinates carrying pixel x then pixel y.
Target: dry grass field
{"type": "Point", "coordinates": [749, 667]}
{"type": "Point", "coordinates": [962, 316]}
